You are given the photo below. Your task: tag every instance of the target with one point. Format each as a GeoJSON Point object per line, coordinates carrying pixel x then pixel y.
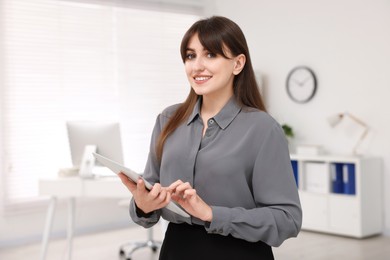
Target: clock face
{"type": "Point", "coordinates": [301, 84]}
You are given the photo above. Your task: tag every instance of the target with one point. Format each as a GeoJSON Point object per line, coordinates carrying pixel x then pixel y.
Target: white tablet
{"type": "Point", "coordinates": [117, 168]}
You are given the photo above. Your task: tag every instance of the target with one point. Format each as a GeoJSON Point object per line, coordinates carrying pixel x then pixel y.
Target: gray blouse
{"type": "Point", "coordinates": [241, 168]}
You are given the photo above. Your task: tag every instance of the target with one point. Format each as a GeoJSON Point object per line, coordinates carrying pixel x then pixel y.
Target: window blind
{"type": "Point", "coordinates": [70, 60]}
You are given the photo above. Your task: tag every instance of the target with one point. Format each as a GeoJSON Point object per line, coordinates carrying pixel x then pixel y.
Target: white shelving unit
{"type": "Point", "coordinates": [328, 209]}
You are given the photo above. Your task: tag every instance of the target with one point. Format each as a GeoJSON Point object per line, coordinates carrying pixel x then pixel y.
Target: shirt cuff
{"type": "Point", "coordinates": [220, 222]}
{"type": "Point", "coordinates": [142, 214]}
{"type": "Point", "coordinates": [145, 220]}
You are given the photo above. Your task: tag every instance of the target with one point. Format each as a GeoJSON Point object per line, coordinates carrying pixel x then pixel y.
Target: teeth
{"type": "Point", "coordinates": [202, 78]}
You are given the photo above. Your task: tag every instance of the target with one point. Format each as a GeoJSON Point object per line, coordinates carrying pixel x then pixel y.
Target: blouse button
{"type": "Point", "coordinates": [211, 121]}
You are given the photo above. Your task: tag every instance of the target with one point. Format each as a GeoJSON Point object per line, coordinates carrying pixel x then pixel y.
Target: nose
{"type": "Point", "coordinates": [198, 64]}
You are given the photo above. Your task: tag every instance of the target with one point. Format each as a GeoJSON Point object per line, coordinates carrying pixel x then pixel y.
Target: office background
{"type": "Point", "coordinates": [344, 42]}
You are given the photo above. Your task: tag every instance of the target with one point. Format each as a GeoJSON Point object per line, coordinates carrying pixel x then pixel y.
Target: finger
{"type": "Point", "coordinates": [189, 193]}
{"type": "Point", "coordinates": [166, 189]}
{"type": "Point", "coordinates": [123, 178]}
{"type": "Point", "coordinates": [177, 198]}
{"type": "Point", "coordinates": [173, 186]}
{"type": "Point", "coordinates": [127, 182]}
{"type": "Point", "coordinates": [167, 198]}
{"type": "Point", "coordinates": [162, 196]}
{"type": "Point", "coordinates": [182, 187]}
{"type": "Point", "coordinates": [155, 191]}
{"type": "Point", "coordinates": [179, 191]}
{"type": "Point", "coordinates": [163, 199]}
{"type": "Point", "coordinates": [141, 187]}
{"type": "Point", "coordinates": [131, 186]}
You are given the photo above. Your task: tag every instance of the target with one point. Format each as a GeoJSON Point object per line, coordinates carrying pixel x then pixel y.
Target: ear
{"type": "Point", "coordinates": [239, 63]}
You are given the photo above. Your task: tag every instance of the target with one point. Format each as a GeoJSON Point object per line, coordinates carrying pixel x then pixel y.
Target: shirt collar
{"type": "Point", "coordinates": [224, 117]}
{"type": "Point", "coordinates": [196, 111]}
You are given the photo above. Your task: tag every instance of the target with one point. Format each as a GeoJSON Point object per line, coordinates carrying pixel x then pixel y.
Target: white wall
{"type": "Point", "coordinates": [345, 42]}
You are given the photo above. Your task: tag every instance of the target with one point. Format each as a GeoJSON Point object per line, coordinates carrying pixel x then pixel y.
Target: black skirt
{"type": "Point", "coordinates": [192, 242]}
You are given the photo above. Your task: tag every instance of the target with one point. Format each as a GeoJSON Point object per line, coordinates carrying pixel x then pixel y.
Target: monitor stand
{"type": "Point", "coordinates": [87, 162]}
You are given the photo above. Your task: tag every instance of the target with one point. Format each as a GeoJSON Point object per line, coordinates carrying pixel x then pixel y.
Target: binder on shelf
{"type": "Point", "coordinates": [317, 177]}
{"type": "Point", "coordinates": [294, 165]}
{"type": "Point", "coordinates": [349, 179]}
{"type": "Point", "coordinates": [337, 178]}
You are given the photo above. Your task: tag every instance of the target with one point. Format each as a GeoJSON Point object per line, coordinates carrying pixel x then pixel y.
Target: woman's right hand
{"type": "Point", "coordinates": [147, 201]}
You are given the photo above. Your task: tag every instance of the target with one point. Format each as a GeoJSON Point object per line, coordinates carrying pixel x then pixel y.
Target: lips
{"type": "Point", "coordinates": [201, 79]}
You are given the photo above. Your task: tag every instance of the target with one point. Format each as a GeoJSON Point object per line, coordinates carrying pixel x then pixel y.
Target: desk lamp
{"type": "Point", "coordinates": [335, 119]}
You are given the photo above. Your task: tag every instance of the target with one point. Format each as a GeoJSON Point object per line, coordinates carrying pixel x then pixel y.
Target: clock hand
{"type": "Point", "coordinates": [306, 79]}
{"type": "Point", "coordinates": [296, 81]}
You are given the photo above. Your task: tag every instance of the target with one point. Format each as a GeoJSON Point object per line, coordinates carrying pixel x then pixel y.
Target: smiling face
{"type": "Point", "coordinates": [209, 74]}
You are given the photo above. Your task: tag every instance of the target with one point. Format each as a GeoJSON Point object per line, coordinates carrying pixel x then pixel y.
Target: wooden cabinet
{"type": "Point", "coordinates": [340, 195]}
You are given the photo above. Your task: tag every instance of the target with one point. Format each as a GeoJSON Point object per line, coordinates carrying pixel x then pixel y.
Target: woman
{"type": "Point", "coordinates": [220, 156]}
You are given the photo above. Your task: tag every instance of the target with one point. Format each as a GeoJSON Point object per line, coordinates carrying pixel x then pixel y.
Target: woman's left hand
{"type": "Point", "coordinates": [187, 197]}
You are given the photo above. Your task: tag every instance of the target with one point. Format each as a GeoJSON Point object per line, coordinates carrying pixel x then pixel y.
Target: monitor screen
{"type": "Point", "coordinates": [104, 135]}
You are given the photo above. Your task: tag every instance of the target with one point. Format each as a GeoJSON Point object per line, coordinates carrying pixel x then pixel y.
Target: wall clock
{"type": "Point", "coordinates": [301, 84]}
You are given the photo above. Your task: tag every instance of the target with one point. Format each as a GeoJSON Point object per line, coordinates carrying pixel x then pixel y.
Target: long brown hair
{"type": "Point", "coordinates": [215, 34]}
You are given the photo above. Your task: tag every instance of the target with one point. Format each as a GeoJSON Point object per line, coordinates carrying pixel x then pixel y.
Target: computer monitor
{"type": "Point", "coordinates": [86, 137]}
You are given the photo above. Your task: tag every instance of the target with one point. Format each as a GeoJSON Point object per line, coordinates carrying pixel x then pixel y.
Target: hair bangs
{"type": "Point", "coordinates": [209, 36]}
{"type": "Point", "coordinates": [212, 41]}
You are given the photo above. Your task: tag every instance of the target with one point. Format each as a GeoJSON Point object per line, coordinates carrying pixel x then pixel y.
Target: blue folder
{"type": "Point", "coordinates": [337, 178]}
{"type": "Point", "coordinates": [295, 170]}
{"type": "Point", "coordinates": [349, 178]}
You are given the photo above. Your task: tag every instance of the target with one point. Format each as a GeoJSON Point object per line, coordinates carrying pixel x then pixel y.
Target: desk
{"type": "Point", "coordinates": [72, 188]}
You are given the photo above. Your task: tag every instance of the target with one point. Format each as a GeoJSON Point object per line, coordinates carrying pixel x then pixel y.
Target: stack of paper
{"type": "Point", "coordinates": [317, 177]}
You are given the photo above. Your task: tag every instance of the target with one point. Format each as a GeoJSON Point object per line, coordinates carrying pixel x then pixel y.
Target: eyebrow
{"type": "Point", "coordinates": [190, 49]}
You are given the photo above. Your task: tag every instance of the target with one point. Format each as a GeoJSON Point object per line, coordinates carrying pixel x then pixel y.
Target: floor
{"type": "Point", "coordinates": [308, 246]}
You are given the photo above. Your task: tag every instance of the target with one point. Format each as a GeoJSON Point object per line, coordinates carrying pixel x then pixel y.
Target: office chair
{"type": "Point", "coordinates": [127, 249]}
{"type": "Point", "coordinates": [150, 243]}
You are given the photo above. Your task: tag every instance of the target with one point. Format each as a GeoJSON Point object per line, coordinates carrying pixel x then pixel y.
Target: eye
{"type": "Point", "coordinates": [211, 55]}
{"type": "Point", "coordinates": [190, 56]}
